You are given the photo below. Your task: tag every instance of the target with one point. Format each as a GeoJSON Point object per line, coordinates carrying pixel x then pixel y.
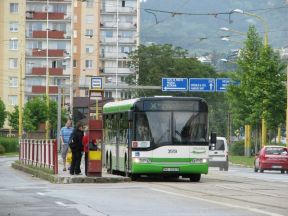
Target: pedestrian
{"type": "Point", "coordinates": [65, 134]}
{"type": "Point", "coordinates": [76, 149]}
{"type": "Point", "coordinates": [85, 142]}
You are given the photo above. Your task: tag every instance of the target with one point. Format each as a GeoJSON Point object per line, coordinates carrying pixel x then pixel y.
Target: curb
{"type": "Point", "coordinates": [67, 180]}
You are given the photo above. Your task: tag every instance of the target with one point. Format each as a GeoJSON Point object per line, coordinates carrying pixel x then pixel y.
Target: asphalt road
{"type": "Point", "coordinates": [237, 192]}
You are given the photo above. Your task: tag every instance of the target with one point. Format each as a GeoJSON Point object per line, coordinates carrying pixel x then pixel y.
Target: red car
{"type": "Point", "coordinates": [272, 158]}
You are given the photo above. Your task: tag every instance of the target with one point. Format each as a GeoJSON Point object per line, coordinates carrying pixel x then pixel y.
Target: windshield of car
{"type": "Point", "coordinates": [220, 145]}
{"type": "Point", "coordinates": [171, 127]}
{"type": "Point", "coordinates": [273, 150]}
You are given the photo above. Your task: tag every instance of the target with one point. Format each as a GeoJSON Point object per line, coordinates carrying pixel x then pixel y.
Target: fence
{"type": "Point", "coordinates": [39, 153]}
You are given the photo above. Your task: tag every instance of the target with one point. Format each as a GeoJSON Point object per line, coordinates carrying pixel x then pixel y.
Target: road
{"type": "Point", "coordinates": [237, 192]}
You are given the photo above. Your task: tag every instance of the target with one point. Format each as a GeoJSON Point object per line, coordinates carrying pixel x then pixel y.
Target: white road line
{"type": "Point", "coordinates": [61, 204]}
{"type": "Point", "coordinates": [219, 203]}
{"type": "Point", "coordinates": [41, 194]}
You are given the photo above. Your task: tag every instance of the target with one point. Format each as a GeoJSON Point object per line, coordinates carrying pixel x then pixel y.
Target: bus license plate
{"type": "Point", "coordinates": [171, 169]}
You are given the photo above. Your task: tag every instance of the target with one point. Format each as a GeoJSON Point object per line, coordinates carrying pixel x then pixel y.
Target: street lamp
{"type": "Point", "coordinates": [228, 39]}
{"type": "Point", "coordinates": [258, 17]}
{"type": "Point", "coordinates": [265, 25]}
{"type": "Point", "coordinates": [232, 30]}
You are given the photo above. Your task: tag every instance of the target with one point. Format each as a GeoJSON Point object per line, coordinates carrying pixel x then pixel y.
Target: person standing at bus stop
{"type": "Point", "coordinates": [65, 134]}
{"type": "Point", "coordinates": [76, 148]}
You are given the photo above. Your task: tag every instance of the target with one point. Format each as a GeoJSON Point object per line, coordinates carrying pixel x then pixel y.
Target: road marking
{"type": "Point", "coordinates": [219, 203]}
{"type": "Point", "coordinates": [61, 204]}
{"type": "Point", "coordinates": [41, 194]}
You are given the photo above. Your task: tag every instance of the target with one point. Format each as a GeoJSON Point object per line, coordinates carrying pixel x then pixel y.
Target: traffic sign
{"type": "Point", "coordinates": [222, 83]}
{"type": "Point", "coordinates": [202, 84]}
{"type": "Point", "coordinates": [96, 82]}
{"type": "Point", "coordinates": [174, 84]}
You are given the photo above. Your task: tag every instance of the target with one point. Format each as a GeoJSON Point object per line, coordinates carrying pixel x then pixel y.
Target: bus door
{"type": "Point", "coordinates": [117, 142]}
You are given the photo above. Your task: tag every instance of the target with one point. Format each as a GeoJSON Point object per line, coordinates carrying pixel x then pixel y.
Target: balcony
{"type": "Point", "coordinates": [43, 15]}
{"type": "Point", "coordinates": [51, 53]}
{"type": "Point", "coordinates": [42, 89]}
{"type": "Point", "coordinates": [52, 71]}
{"type": "Point", "coordinates": [51, 34]}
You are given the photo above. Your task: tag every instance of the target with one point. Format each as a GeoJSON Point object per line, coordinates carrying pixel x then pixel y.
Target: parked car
{"type": "Point", "coordinates": [271, 158]}
{"type": "Point", "coordinates": [218, 157]}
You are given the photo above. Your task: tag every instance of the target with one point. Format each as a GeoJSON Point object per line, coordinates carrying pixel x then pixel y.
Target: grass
{"type": "Point", "coordinates": [243, 160]}
{"type": "Point", "coordinates": [10, 154]}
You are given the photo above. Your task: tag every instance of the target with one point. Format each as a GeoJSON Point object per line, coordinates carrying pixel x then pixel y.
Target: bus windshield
{"type": "Point", "coordinates": [166, 128]}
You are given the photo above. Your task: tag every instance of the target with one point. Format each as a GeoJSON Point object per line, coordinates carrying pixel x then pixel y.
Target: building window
{"type": "Point", "coordinates": [123, 64]}
{"type": "Point", "coordinates": [89, 48]}
{"type": "Point", "coordinates": [75, 33]}
{"type": "Point", "coordinates": [13, 81]}
{"type": "Point", "coordinates": [108, 94]}
{"type": "Point", "coordinates": [74, 63]}
{"type": "Point", "coordinates": [13, 44]}
{"type": "Point", "coordinates": [13, 100]}
{"type": "Point", "coordinates": [89, 33]}
{"type": "Point", "coordinates": [123, 3]}
{"type": "Point", "coordinates": [14, 7]}
{"type": "Point", "coordinates": [13, 26]}
{"type": "Point", "coordinates": [74, 49]}
{"type": "Point", "coordinates": [109, 34]}
{"type": "Point", "coordinates": [13, 62]}
{"type": "Point", "coordinates": [88, 63]}
{"type": "Point", "coordinates": [89, 19]}
{"type": "Point", "coordinates": [89, 3]}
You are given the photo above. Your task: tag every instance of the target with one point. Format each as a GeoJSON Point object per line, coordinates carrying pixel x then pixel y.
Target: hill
{"type": "Point", "coordinates": [200, 33]}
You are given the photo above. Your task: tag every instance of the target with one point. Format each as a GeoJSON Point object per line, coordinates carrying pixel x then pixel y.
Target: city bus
{"type": "Point", "coordinates": [163, 136]}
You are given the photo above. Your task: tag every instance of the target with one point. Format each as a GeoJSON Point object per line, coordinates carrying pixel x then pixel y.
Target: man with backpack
{"type": "Point", "coordinates": [65, 134]}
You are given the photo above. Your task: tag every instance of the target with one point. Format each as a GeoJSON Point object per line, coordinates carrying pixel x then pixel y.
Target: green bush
{"type": "Point", "coordinates": [237, 148]}
{"type": "Point", "coordinates": [2, 149]}
{"type": "Point", "coordinates": [10, 144]}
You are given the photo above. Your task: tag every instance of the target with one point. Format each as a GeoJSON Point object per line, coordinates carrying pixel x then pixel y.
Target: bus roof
{"type": "Point", "coordinates": [119, 106]}
{"type": "Point", "coordinates": [125, 105]}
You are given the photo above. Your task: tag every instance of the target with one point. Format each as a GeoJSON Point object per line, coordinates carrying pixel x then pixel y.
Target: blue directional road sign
{"type": "Point", "coordinates": [202, 84]}
{"type": "Point", "coordinates": [174, 84]}
{"type": "Point", "coordinates": [222, 83]}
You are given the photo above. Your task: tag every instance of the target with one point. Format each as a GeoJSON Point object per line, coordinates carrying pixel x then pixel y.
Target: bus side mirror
{"type": "Point", "coordinates": [213, 140]}
{"type": "Point", "coordinates": [130, 115]}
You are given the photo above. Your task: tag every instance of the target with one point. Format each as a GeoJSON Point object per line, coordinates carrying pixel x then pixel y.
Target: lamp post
{"type": "Point", "coordinates": [265, 25]}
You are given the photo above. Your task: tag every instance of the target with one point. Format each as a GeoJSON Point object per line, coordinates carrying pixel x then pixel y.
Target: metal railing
{"type": "Point", "coordinates": [39, 152]}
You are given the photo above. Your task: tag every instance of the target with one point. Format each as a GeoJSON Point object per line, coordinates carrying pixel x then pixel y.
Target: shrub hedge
{"type": "Point", "coordinates": [10, 144]}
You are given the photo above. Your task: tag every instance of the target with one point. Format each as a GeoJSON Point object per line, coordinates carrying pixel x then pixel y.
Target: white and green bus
{"type": "Point", "coordinates": [166, 136]}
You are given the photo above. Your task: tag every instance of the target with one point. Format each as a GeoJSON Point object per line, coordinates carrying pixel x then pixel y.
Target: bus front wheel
{"type": "Point", "coordinates": [195, 177]}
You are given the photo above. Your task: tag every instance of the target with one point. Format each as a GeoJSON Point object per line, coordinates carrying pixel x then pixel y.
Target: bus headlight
{"type": "Point", "coordinates": [141, 160]}
{"type": "Point", "coordinates": [199, 160]}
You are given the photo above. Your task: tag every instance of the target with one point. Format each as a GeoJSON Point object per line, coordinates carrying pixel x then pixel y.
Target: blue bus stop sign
{"type": "Point", "coordinates": [174, 84]}
{"type": "Point", "coordinates": [202, 84]}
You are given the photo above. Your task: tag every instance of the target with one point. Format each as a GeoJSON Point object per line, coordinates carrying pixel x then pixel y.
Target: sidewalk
{"type": "Point", "coordinates": [64, 177]}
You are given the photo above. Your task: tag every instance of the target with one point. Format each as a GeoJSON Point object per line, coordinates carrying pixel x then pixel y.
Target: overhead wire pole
{"type": "Point", "coordinates": [117, 47]}
{"type": "Point", "coordinates": [47, 126]}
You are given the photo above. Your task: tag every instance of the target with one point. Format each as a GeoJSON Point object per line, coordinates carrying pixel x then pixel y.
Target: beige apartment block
{"type": "Point", "coordinates": [47, 44]}
{"type": "Point", "coordinates": [12, 57]}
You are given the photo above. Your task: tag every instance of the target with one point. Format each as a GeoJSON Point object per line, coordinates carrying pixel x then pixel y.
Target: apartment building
{"type": "Point", "coordinates": [49, 43]}
{"type": "Point", "coordinates": [105, 32]}
{"type": "Point", "coordinates": [12, 43]}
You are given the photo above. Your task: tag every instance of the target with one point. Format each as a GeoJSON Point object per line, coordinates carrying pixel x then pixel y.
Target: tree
{"type": "Point", "coordinates": [13, 118]}
{"type": "Point", "coordinates": [36, 112]}
{"type": "Point", "coordinates": [261, 93]}
{"type": "Point", "coordinates": [151, 63]}
{"type": "Point", "coordinates": [3, 113]}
